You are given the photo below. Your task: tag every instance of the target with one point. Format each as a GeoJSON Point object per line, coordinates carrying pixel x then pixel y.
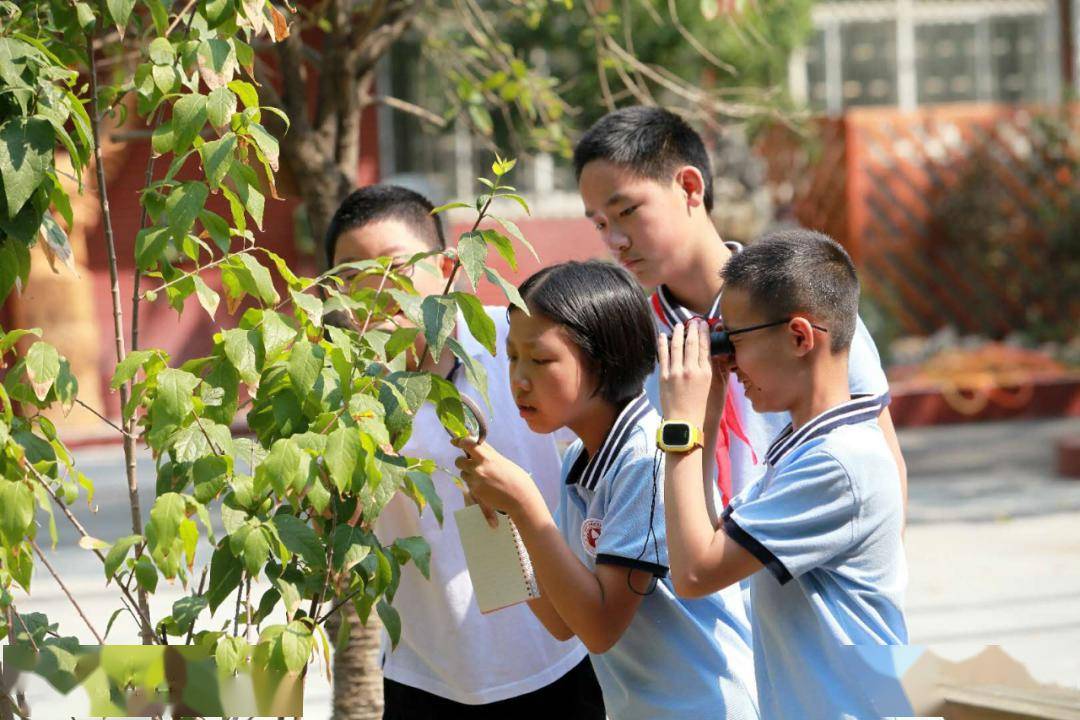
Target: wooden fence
{"type": "Point", "coordinates": [966, 216]}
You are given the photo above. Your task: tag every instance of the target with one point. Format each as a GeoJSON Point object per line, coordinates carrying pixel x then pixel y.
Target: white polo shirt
{"type": "Point", "coordinates": [679, 659]}
{"type": "Point", "coordinates": [447, 647]}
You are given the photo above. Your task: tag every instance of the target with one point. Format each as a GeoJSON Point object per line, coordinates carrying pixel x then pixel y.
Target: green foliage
{"type": "Point", "coordinates": [330, 403]}
{"type": "Point", "coordinates": [740, 47]}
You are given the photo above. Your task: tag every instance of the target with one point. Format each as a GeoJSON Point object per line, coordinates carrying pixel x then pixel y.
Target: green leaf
{"type": "Point", "coordinates": [276, 333]}
{"type": "Point", "coordinates": [217, 158]}
{"type": "Point", "coordinates": [480, 323]}
{"type": "Point", "coordinates": [475, 374]}
{"type": "Point", "coordinates": [189, 535]}
{"type": "Point", "coordinates": [159, 15]}
{"type": "Point", "coordinates": [217, 228]}
{"type": "Point", "coordinates": [422, 491]}
{"type": "Point", "coordinates": [341, 456]}
{"type": "Point", "coordinates": [299, 538]}
{"type": "Point", "coordinates": [126, 369]}
{"type": "Point", "coordinates": [16, 511]}
{"type": "Point", "coordinates": [318, 496]}
{"type": "Point", "coordinates": [230, 653]}
{"type": "Point", "coordinates": [146, 574]}
{"type": "Point", "coordinates": [350, 546]}
{"type": "Point", "coordinates": [220, 106]}
{"type": "Point", "coordinates": [150, 243]}
{"type": "Point", "coordinates": [240, 349]}
{"type": "Point", "coordinates": [8, 340]}
{"type": "Point", "coordinates": [296, 645]}
{"type": "Point", "coordinates": [520, 201]}
{"type": "Point", "coordinates": [225, 573]}
{"type": "Point", "coordinates": [86, 542]}
{"type": "Point", "coordinates": [502, 167]}
{"type": "Point", "coordinates": [264, 283]}
{"type": "Point", "coordinates": [188, 119]}
{"type": "Point", "coordinates": [287, 466]}
{"type": "Point", "coordinates": [450, 206]}
{"type": "Point", "coordinates": [42, 367]}
{"type": "Point", "coordinates": [186, 610]}
{"type": "Point", "coordinates": [311, 305]}
{"type": "Point", "coordinates": [472, 253]}
{"type": "Point", "coordinates": [217, 62]}
{"type": "Point", "coordinates": [165, 518]}
{"type": "Point", "coordinates": [266, 143]}
{"type": "Point", "coordinates": [439, 319]}
{"type": "Point", "coordinates": [256, 551]}
{"type": "Point", "coordinates": [508, 288]}
{"type": "Point", "coordinates": [207, 297]}
{"type": "Point", "coordinates": [26, 154]}
{"type": "Point", "coordinates": [161, 51]}
{"type": "Point", "coordinates": [305, 366]}
{"type": "Point", "coordinates": [247, 93]}
{"type": "Point", "coordinates": [120, 12]}
{"type": "Point", "coordinates": [66, 386]}
{"type": "Point", "coordinates": [184, 205]}
{"type": "Point", "coordinates": [418, 549]}
{"type": "Point", "coordinates": [173, 401]}
{"type": "Point", "coordinates": [118, 552]}
{"type": "Point", "coordinates": [85, 15]}
{"type": "Point", "coordinates": [391, 621]}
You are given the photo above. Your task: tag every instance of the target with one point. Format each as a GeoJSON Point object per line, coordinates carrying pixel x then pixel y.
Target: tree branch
{"type": "Point", "coordinates": [74, 602]}
{"type": "Point", "coordinates": [145, 615]}
{"type": "Point", "coordinates": [118, 324]}
{"type": "Point", "coordinates": [411, 109]}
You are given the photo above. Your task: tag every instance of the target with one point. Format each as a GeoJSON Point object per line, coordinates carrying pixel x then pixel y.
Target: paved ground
{"type": "Point", "coordinates": [993, 547]}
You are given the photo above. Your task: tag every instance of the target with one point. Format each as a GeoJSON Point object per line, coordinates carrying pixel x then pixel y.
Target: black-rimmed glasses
{"type": "Point", "coordinates": [720, 339]}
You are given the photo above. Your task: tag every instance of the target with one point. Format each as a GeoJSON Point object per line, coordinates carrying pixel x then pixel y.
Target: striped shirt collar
{"type": "Point", "coordinates": [674, 313]}
{"type": "Point", "coordinates": [587, 471]}
{"type": "Point", "coordinates": [860, 408]}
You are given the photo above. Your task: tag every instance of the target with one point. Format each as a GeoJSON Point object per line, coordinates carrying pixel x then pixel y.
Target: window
{"type": "Point", "coordinates": [1015, 43]}
{"type": "Point", "coordinates": [945, 63]}
{"type": "Point", "coordinates": [868, 64]}
{"type": "Point", "coordinates": [923, 52]}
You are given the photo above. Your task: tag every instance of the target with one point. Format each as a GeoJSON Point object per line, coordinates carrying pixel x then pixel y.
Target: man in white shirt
{"type": "Point", "coordinates": [451, 661]}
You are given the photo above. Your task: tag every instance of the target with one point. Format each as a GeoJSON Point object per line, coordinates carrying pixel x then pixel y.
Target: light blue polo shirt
{"type": "Point", "coordinates": [825, 521]}
{"type": "Point", "coordinates": [678, 659]}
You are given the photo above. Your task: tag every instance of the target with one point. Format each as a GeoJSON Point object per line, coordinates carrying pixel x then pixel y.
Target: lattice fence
{"type": "Point", "coordinates": [966, 216]}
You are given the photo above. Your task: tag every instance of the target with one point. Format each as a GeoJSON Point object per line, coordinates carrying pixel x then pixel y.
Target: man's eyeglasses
{"type": "Point", "coordinates": [720, 339]}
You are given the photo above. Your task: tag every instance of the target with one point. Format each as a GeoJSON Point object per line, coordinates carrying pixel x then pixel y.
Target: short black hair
{"type": "Point", "coordinates": [648, 141]}
{"type": "Point", "coordinates": [800, 271]}
{"type": "Point", "coordinates": [380, 202]}
{"type": "Point", "coordinates": [605, 312]}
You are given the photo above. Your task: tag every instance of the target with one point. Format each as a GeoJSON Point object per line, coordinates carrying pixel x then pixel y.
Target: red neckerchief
{"type": "Point", "coordinates": [669, 312]}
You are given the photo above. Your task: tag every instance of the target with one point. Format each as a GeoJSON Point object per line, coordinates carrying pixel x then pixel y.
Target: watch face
{"type": "Point", "coordinates": [676, 435]}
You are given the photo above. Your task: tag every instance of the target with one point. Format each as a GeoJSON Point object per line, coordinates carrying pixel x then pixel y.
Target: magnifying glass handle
{"type": "Point", "coordinates": [481, 422]}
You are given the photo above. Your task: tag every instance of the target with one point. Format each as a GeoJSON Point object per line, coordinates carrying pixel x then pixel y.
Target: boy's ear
{"type": "Point", "coordinates": [802, 336]}
{"type": "Point", "coordinates": [688, 178]}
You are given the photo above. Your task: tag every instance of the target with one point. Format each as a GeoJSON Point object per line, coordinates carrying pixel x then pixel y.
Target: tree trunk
{"type": "Point", "coordinates": [358, 690]}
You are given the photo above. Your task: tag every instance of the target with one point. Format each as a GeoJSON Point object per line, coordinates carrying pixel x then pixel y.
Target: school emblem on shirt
{"type": "Point", "coordinates": [590, 535]}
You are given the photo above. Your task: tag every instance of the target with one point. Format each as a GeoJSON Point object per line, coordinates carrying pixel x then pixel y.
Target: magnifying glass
{"type": "Point", "coordinates": [478, 418]}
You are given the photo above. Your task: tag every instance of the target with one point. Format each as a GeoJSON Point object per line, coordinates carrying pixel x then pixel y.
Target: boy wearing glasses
{"type": "Point", "coordinates": [819, 536]}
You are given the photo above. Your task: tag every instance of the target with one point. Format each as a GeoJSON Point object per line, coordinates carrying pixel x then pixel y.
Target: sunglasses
{"type": "Point", "coordinates": [720, 344]}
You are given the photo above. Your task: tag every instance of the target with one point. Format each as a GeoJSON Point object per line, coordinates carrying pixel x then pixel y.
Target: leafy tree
{"type": "Point", "coordinates": [330, 407]}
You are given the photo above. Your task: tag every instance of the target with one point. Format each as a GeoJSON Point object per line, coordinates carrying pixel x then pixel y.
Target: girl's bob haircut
{"type": "Point", "coordinates": [606, 315]}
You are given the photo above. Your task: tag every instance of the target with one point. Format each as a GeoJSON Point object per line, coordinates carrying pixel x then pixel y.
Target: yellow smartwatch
{"type": "Point", "coordinates": [678, 436]}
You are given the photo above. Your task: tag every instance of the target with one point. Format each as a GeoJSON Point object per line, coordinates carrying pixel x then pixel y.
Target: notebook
{"type": "Point", "coordinates": [499, 565]}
